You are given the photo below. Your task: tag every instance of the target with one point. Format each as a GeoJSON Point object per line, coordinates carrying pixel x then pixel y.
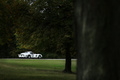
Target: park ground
{"type": "Point", "coordinates": [35, 69]}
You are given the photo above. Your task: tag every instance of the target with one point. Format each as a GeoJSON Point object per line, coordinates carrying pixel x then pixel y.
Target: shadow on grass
{"type": "Point", "coordinates": [43, 75]}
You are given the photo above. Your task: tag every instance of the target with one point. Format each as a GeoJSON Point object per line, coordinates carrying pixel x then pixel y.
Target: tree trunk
{"type": "Point", "coordinates": [98, 41]}
{"type": "Point", "coordinates": [68, 61]}
{"type": "Point", "coordinates": [67, 44]}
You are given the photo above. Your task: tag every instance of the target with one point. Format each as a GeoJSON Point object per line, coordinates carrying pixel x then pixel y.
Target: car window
{"type": "Point", "coordinates": [31, 53]}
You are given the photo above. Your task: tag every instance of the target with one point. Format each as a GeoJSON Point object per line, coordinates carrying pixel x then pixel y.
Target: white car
{"type": "Point", "coordinates": [29, 54]}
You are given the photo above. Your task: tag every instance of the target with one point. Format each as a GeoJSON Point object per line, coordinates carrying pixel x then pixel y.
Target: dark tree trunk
{"type": "Point", "coordinates": [67, 44]}
{"type": "Point", "coordinates": [98, 41]}
{"type": "Point", "coordinates": [68, 61]}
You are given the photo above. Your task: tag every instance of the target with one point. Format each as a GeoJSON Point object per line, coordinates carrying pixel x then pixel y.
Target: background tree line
{"type": "Point", "coordinates": [42, 26]}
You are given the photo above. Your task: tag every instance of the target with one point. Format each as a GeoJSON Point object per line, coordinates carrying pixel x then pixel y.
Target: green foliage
{"type": "Point", "coordinates": [49, 27]}
{"type": "Point", "coordinates": [10, 12]}
{"type": "Point", "coordinates": [38, 25]}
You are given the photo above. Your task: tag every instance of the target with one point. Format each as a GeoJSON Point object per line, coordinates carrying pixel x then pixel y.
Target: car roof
{"type": "Point", "coordinates": [28, 51]}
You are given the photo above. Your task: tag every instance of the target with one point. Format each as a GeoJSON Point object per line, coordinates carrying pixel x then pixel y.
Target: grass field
{"type": "Point", "coordinates": [35, 69]}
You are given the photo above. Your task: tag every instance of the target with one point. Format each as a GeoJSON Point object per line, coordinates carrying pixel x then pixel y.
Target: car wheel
{"type": "Point", "coordinates": [39, 57]}
{"type": "Point", "coordinates": [29, 56]}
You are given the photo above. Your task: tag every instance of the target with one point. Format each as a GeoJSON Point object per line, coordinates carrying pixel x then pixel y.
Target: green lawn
{"type": "Point", "coordinates": [34, 69]}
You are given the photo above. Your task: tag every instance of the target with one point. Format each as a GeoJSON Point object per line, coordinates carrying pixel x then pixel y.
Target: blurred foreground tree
{"type": "Point", "coordinates": [97, 35]}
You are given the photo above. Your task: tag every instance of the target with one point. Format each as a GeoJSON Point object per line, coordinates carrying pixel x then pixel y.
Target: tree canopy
{"type": "Point", "coordinates": [38, 25]}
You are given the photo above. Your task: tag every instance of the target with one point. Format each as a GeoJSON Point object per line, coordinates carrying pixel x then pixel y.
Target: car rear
{"type": "Point", "coordinates": [22, 56]}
